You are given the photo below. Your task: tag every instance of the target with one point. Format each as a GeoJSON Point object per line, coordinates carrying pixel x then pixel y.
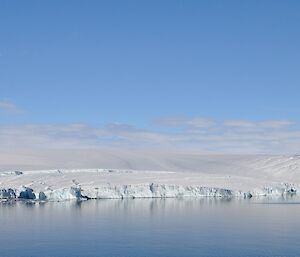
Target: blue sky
{"type": "Point", "coordinates": [140, 64]}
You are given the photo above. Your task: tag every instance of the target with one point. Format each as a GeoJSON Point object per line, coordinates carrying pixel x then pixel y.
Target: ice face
{"type": "Point", "coordinates": [255, 176]}
{"type": "Point", "coordinates": [141, 191]}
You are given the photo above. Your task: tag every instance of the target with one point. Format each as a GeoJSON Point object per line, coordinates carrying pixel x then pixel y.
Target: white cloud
{"type": "Point", "coordinates": [7, 106]}
{"type": "Point", "coordinates": [271, 124]}
{"type": "Point", "coordinates": [270, 137]}
{"type": "Point", "coordinates": [177, 121]}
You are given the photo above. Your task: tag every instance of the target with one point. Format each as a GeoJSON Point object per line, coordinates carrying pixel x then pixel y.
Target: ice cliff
{"type": "Point", "coordinates": [238, 177]}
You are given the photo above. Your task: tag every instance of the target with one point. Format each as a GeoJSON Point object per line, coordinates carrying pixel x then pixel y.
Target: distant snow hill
{"type": "Point", "coordinates": [167, 176]}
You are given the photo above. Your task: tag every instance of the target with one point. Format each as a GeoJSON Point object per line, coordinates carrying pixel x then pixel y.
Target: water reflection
{"type": "Point", "coordinates": [138, 206]}
{"type": "Point", "coordinates": [156, 227]}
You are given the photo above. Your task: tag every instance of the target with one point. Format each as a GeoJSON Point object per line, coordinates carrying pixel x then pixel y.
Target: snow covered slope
{"type": "Point", "coordinates": [187, 176]}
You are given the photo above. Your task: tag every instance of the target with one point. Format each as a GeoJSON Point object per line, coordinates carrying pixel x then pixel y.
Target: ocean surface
{"type": "Point", "coordinates": [152, 228]}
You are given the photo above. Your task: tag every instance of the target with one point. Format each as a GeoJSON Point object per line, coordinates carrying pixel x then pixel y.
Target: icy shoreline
{"type": "Point", "coordinates": [223, 176]}
{"type": "Point", "coordinates": [140, 191]}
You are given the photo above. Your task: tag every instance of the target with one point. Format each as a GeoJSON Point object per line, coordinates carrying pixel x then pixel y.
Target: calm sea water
{"type": "Point", "coordinates": [151, 227]}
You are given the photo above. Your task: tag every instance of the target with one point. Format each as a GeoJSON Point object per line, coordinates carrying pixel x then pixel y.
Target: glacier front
{"type": "Point", "coordinates": [243, 177]}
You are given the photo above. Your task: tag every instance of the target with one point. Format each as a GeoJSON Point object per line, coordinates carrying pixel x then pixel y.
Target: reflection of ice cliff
{"type": "Point", "coordinates": [240, 177]}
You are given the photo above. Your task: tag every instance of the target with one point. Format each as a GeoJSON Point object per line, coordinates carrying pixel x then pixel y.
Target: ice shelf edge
{"type": "Point", "coordinates": [151, 190]}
